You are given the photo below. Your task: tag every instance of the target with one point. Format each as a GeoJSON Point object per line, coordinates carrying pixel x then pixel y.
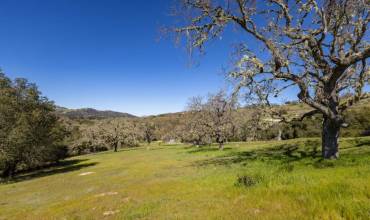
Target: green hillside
{"type": "Point", "coordinates": [90, 113]}
{"type": "Point", "coordinates": [256, 180]}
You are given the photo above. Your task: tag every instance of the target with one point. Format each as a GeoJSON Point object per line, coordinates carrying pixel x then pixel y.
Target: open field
{"type": "Point", "coordinates": [277, 180]}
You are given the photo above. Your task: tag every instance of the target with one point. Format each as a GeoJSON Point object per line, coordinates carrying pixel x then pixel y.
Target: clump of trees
{"type": "Point", "coordinates": [90, 136]}
{"type": "Point", "coordinates": [86, 140]}
{"type": "Point", "coordinates": [319, 48]}
{"type": "Point", "coordinates": [30, 133]}
{"type": "Point", "coordinates": [120, 133]}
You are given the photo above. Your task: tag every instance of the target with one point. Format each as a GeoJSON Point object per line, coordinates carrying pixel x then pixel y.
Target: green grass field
{"type": "Point", "coordinates": [258, 180]}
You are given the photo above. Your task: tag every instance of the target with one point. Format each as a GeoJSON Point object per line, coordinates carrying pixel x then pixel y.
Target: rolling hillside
{"type": "Point", "coordinates": [90, 113]}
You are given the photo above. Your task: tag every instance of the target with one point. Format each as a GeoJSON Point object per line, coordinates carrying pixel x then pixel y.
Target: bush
{"type": "Point", "coordinates": [86, 148]}
{"type": "Point", "coordinates": [248, 181]}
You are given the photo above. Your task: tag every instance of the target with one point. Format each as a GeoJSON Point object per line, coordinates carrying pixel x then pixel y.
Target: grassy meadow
{"type": "Point", "coordinates": [256, 180]}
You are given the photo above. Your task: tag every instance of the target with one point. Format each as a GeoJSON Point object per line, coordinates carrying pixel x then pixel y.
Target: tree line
{"type": "Point", "coordinates": [216, 118]}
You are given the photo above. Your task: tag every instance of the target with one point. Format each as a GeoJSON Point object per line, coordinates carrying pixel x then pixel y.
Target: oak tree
{"type": "Point", "coordinates": [31, 135]}
{"type": "Point", "coordinates": [319, 49]}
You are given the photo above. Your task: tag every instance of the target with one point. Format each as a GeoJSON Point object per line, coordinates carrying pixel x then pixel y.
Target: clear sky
{"type": "Point", "coordinates": [104, 54]}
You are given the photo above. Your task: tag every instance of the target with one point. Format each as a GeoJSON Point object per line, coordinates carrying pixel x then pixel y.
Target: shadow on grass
{"type": "Point", "coordinates": [284, 153]}
{"type": "Point", "coordinates": [205, 149]}
{"type": "Point", "coordinates": [307, 153]}
{"type": "Point", "coordinates": [363, 143]}
{"type": "Point", "coordinates": [61, 167]}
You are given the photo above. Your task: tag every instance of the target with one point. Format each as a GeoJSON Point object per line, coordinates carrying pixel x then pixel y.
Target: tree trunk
{"type": "Point", "coordinates": [245, 136]}
{"type": "Point", "coordinates": [220, 141]}
{"type": "Point", "coordinates": [221, 146]}
{"type": "Point", "coordinates": [148, 139]}
{"type": "Point", "coordinates": [9, 170]}
{"type": "Point", "coordinates": [330, 135]}
{"type": "Point", "coordinates": [295, 132]}
{"type": "Point", "coordinates": [197, 143]}
{"type": "Point", "coordinates": [278, 138]}
{"type": "Point", "coordinates": [115, 147]}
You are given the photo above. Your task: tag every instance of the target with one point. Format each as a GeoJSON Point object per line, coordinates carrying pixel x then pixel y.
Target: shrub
{"type": "Point", "coordinates": [248, 181]}
{"type": "Point", "coordinates": [86, 147]}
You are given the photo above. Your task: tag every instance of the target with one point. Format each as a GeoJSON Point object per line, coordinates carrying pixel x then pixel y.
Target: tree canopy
{"type": "Point", "coordinates": [30, 133]}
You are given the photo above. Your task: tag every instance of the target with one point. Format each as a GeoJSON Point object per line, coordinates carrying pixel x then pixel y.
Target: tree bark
{"type": "Point", "coordinates": [220, 141]}
{"type": "Point", "coordinates": [330, 135]}
{"type": "Point", "coordinates": [221, 146]}
{"type": "Point", "coordinates": [278, 138]}
{"type": "Point", "coordinates": [115, 147]}
{"type": "Point", "coordinates": [9, 170]}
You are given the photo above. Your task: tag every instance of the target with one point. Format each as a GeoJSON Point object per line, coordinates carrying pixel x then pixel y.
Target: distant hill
{"type": "Point", "coordinates": [90, 113]}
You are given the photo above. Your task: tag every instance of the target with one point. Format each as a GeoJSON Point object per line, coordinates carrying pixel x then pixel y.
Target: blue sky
{"type": "Point", "coordinates": [104, 54]}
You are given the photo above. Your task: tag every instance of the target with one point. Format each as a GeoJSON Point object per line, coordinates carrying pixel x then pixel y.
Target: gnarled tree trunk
{"type": "Point", "coordinates": [330, 135]}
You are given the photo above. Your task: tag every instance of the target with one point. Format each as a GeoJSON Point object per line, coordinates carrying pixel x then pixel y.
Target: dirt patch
{"type": "Point", "coordinates": [107, 213]}
{"type": "Point", "coordinates": [107, 194]}
{"type": "Point", "coordinates": [86, 173]}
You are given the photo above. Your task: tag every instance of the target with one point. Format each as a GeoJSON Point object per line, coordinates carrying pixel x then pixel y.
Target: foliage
{"type": "Point", "coordinates": [248, 181]}
{"type": "Point", "coordinates": [30, 133]}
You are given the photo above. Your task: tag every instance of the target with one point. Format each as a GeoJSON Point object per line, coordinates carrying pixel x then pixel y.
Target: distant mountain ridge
{"type": "Point", "coordinates": [90, 113]}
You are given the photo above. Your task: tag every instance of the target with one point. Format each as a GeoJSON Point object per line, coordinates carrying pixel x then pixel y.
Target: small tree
{"type": "Point", "coordinates": [219, 109]}
{"type": "Point", "coordinates": [148, 128]}
{"type": "Point", "coordinates": [197, 128]}
{"type": "Point", "coordinates": [320, 48]}
{"type": "Point", "coordinates": [212, 118]}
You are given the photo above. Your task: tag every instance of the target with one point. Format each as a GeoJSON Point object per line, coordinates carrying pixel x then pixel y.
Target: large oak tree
{"type": "Point", "coordinates": [321, 48]}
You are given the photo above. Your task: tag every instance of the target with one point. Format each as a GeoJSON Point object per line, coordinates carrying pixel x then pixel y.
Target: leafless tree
{"type": "Point", "coordinates": [220, 108]}
{"type": "Point", "coordinates": [320, 48]}
{"type": "Point", "coordinates": [198, 128]}
{"type": "Point", "coordinates": [213, 117]}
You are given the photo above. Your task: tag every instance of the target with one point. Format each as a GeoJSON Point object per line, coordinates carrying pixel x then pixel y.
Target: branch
{"type": "Point", "coordinates": [309, 114]}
